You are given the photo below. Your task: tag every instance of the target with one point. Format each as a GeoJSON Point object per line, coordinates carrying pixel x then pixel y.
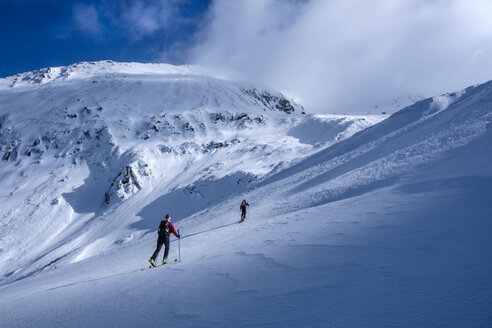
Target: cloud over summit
{"type": "Point", "coordinates": [347, 56]}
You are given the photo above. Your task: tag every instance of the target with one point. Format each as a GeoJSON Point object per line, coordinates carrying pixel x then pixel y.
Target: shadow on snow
{"type": "Point", "coordinates": [191, 199]}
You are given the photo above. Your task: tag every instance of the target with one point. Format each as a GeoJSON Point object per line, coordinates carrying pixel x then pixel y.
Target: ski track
{"type": "Point", "coordinates": [349, 226]}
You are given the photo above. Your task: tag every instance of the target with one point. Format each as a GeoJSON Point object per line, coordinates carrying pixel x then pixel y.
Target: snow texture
{"type": "Point", "coordinates": [354, 221]}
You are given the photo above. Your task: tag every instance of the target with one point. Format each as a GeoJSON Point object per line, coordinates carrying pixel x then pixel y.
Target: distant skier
{"type": "Point", "coordinates": [164, 231]}
{"type": "Point", "coordinates": [244, 203]}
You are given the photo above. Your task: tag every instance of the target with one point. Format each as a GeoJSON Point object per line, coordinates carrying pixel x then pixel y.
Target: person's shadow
{"type": "Point", "coordinates": [186, 201]}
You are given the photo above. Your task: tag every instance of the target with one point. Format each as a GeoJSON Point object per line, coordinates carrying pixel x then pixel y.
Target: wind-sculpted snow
{"type": "Point", "coordinates": [353, 221]}
{"type": "Point", "coordinates": [77, 142]}
{"type": "Point", "coordinates": [106, 69]}
{"type": "Point", "coordinates": [409, 140]}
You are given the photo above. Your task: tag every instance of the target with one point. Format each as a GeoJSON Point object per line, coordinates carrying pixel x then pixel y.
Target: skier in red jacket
{"type": "Point", "coordinates": [164, 231]}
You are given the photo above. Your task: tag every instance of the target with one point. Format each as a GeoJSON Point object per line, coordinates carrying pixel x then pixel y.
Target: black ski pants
{"type": "Point", "coordinates": [160, 241]}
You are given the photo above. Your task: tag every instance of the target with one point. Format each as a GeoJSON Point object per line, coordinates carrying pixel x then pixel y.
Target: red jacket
{"type": "Point", "coordinates": [165, 228]}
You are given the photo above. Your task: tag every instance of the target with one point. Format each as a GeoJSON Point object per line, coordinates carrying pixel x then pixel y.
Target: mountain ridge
{"type": "Point", "coordinates": [103, 138]}
{"type": "Point", "coordinates": [353, 221]}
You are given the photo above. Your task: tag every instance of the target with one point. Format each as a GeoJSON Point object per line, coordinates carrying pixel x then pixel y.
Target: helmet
{"type": "Point", "coordinates": [168, 217]}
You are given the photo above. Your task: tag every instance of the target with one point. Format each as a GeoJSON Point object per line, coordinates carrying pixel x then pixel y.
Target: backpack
{"type": "Point", "coordinates": [164, 228]}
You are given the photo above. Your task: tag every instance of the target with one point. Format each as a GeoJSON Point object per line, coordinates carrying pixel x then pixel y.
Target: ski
{"type": "Point", "coordinates": [153, 267]}
{"type": "Point", "coordinates": [159, 265]}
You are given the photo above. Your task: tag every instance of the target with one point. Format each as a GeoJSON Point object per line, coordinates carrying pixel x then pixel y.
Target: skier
{"type": "Point", "coordinates": [244, 203]}
{"type": "Point", "coordinates": [164, 231]}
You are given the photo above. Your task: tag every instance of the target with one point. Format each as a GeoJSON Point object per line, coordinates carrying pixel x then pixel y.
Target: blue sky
{"type": "Point", "coordinates": [349, 56]}
{"type": "Point", "coordinates": [42, 33]}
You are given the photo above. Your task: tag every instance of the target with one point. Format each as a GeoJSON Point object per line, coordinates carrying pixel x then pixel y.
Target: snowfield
{"type": "Point", "coordinates": [354, 221]}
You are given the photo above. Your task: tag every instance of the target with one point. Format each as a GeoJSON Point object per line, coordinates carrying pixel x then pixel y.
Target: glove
{"type": "Point", "coordinates": [179, 236]}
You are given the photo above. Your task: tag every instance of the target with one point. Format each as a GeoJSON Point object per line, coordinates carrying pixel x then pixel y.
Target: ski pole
{"type": "Point", "coordinates": [179, 246]}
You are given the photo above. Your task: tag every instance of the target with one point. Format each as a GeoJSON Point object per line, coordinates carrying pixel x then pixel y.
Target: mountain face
{"type": "Point", "coordinates": [421, 138]}
{"type": "Point", "coordinates": [78, 141]}
{"type": "Point", "coordinates": [353, 221]}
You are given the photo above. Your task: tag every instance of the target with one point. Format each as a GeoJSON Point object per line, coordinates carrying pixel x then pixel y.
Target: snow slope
{"type": "Point", "coordinates": [386, 227]}
{"type": "Point", "coordinates": [76, 141]}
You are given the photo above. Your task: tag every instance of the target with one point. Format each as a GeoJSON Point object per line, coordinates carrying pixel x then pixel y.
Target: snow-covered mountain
{"type": "Point", "coordinates": [76, 141]}
{"type": "Point", "coordinates": [395, 104]}
{"type": "Point", "coordinates": [352, 222]}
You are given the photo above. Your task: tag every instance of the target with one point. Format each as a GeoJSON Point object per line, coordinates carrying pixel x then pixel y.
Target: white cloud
{"type": "Point", "coordinates": [144, 19]}
{"type": "Point", "coordinates": [134, 19]}
{"type": "Point", "coordinates": [347, 56]}
{"type": "Point", "coordinates": [86, 20]}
